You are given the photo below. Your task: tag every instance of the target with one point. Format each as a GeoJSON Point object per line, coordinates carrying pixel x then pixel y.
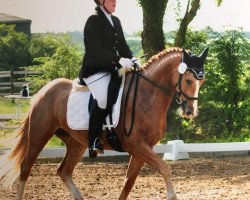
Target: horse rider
{"type": "Point", "coordinates": [107, 55]}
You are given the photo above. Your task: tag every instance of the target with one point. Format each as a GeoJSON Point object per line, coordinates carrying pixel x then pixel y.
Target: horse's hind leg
{"type": "Point", "coordinates": [20, 190]}
{"type": "Point", "coordinates": [37, 140]}
{"type": "Point", "coordinates": [73, 155]}
{"type": "Point", "coordinates": [134, 167]}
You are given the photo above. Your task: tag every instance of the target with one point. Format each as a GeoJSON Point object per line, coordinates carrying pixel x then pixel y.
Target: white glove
{"type": "Point", "coordinates": [136, 61]}
{"type": "Point", "coordinates": [126, 62]}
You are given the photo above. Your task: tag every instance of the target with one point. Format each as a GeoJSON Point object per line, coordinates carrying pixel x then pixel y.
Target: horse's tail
{"type": "Point", "coordinates": [10, 164]}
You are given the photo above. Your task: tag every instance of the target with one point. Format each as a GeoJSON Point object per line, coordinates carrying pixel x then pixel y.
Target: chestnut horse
{"type": "Point", "coordinates": [161, 78]}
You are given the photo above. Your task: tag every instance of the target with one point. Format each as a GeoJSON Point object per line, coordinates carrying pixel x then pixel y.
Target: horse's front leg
{"type": "Point", "coordinates": [135, 164]}
{"type": "Point", "coordinates": [150, 157]}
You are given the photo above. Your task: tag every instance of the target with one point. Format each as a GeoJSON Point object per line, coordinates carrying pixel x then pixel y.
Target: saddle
{"type": "Point", "coordinates": [80, 101]}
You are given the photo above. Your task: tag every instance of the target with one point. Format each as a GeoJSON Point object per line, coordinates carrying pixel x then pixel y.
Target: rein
{"type": "Point", "coordinates": [163, 89]}
{"type": "Point", "coordinates": [136, 74]}
{"type": "Point", "coordinates": [128, 133]}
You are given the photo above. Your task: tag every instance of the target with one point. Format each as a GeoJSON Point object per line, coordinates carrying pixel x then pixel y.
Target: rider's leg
{"type": "Point", "coordinates": [98, 85]}
{"type": "Point", "coordinates": [96, 120]}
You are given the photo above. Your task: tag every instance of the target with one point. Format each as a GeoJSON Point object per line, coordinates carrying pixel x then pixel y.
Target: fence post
{"type": "Point", "coordinates": [175, 154]}
{"type": "Point", "coordinates": [11, 81]}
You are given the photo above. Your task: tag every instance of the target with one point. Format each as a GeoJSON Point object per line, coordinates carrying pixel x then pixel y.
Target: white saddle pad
{"type": "Point", "coordinates": [77, 109]}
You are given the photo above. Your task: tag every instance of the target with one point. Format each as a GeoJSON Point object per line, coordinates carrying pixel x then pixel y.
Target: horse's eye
{"type": "Point", "coordinates": [188, 82]}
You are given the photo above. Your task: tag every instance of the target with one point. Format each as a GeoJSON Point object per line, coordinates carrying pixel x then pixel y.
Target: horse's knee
{"type": "Point", "coordinates": [62, 174]}
{"type": "Point", "coordinates": [166, 169]}
{"type": "Point", "coordinates": [133, 146]}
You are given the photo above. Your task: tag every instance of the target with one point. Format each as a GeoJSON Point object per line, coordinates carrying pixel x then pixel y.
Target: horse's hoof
{"type": "Point", "coordinates": [174, 197]}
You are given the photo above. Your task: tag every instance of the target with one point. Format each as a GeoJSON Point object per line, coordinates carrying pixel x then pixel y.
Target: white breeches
{"type": "Point", "coordinates": [98, 86]}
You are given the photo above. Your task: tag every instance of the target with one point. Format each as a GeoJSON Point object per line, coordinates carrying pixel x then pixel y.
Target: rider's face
{"type": "Point", "coordinates": [110, 5]}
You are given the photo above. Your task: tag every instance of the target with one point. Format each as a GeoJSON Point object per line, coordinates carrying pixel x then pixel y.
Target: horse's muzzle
{"type": "Point", "coordinates": [188, 112]}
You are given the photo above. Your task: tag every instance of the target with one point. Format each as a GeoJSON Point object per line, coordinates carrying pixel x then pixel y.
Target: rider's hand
{"type": "Point", "coordinates": [126, 62]}
{"type": "Point", "coordinates": [136, 61]}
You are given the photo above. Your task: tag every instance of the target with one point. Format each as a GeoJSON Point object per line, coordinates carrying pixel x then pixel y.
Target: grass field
{"type": "Point", "coordinates": [8, 106]}
{"type": "Point", "coordinates": [8, 135]}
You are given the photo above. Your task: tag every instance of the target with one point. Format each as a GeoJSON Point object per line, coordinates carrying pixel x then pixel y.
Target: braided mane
{"type": "Point", "coordinates": [160, 55]}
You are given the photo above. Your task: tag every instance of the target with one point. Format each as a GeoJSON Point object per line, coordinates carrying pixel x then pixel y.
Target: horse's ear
{"type": "Point", "coordinates": [185, 55]}
{"type": "Point", "coordinates": [203, 55]}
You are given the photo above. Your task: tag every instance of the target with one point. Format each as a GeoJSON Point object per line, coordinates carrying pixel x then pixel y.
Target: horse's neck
{"type": "Point", "coordinates": [162, 73]}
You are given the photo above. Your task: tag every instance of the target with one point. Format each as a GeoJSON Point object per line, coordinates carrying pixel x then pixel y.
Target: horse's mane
{"type": "Point", "coordinates": [160, 55]}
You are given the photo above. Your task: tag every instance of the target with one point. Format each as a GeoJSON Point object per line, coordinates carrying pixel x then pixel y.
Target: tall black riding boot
{"type": "Point", "coordinates": [96, 120]}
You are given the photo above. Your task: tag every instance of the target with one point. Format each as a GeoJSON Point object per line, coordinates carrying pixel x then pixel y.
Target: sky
{"type": "Point", "coordinates": [65, 15]}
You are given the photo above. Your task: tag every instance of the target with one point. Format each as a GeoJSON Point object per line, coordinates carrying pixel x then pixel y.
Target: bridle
{"type": "Point", "coordinates": [136, 74]}
{"type": "Point", "coordinates": [180, 92]}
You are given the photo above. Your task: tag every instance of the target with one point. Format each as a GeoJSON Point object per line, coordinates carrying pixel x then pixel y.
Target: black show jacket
{"type": "Point", "coordinates": [104, 44]}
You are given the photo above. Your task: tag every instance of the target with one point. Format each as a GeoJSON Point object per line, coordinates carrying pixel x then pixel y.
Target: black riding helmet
{"type": "Point", "coordinates": [98, 3]}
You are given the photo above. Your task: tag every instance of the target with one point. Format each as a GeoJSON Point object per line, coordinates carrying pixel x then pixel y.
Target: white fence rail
{"type": "Point", "coordinates": [174, 150]}
{"type": "Point", "coordinates": [180, 150]}
{"type": "Point", "coordinates": [60, 152]}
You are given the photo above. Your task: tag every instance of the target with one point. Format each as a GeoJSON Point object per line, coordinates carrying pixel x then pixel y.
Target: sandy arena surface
{"type": "Point", "coordinates": [196, 179]}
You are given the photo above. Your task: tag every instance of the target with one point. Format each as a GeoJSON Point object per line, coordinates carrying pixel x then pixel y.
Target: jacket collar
{"type": "Point", "coordinates": [101, 13]}
{"type": "Point", "coordinates": [107, 15]}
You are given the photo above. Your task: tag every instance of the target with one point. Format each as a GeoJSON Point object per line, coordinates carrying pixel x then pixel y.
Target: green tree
{"type": "Point", "coordinates": [152, 35]}
{"type": "Point", "coordinates": [196, 41]}
{"type": "Point", "coordinates": [224, 98]}
{"type": "Point", "coordinates": [14, 48]}
{"type": "Point", "coordinates": [43, 45]}
{"type": "Point", "coordinates": [64, 63]}
{"type": "Point", "coordinates": [185, 21]}
{"type": "Point", "coordinates": [153, 39]}
{"type": "Point", "coordinates": [231, 51]}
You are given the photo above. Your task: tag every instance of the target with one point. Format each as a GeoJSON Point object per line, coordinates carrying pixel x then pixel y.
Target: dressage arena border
{"type": "Point", "coordinates": [173, 150]}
